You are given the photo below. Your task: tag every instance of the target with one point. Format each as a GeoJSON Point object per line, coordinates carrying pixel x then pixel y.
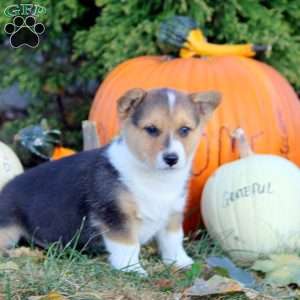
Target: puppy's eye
{"type": "Point", "coordinates": [152, 130]}
{"type": "Point", "coordinates": [184, 131]}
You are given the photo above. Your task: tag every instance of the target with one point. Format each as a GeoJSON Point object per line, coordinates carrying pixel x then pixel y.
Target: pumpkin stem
{"type": "Point", "coordinates": [90, 136]}
{"type": "Point", "coordinates": [182, 34]}
{"type": "Point", "coordinates": [242, 142]}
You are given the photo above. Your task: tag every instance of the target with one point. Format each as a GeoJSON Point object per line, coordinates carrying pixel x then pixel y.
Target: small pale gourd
{"type": "Point", "coordinates": [10, 165]}
{"type": "Point", "coordinates": [251, 206]}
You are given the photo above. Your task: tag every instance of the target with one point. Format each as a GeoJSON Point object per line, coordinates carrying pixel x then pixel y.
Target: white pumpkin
{"type": "Point", "coordinates": [252, 205]}
{"type": "Point", "coordinates": [10, 165]}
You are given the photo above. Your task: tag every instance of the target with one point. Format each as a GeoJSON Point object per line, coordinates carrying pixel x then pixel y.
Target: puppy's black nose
{"type": "Point", "coordinates": [171, 159]}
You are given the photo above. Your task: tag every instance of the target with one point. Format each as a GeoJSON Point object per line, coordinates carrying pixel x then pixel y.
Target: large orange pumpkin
{"type": "Point", "coordinates": [255, 97]}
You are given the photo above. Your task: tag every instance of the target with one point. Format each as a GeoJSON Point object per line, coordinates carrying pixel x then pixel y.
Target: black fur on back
{"type": "Point", "coordinates": [53, 201]}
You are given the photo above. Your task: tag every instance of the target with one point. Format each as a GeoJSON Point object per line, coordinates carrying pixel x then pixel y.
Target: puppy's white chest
{"type": "Point", "coordinates": [157, 193]}
{"type": "Point", "coordinates": [156, 197]}
{"type": "Point", "coordinates": [154, 208]}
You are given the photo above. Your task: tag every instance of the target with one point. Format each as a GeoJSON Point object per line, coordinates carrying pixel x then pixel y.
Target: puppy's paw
{"type": "Point", "coordinates": [126, 265]}
{"type": "Point", "coordinates": [125, 257]}
{"type": "Point", "coordinates": [136, 269]}
{"type": "Point", "coordinates": [182, 261]}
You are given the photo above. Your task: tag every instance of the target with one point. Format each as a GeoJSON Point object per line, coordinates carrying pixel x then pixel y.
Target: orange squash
{"type": "Point", "coordinates": [60, 152]}
{"type": "Point", "coordinates": [255, 97]}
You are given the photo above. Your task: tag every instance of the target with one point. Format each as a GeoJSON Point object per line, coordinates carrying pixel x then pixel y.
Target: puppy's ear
{"type": "Point", "coordinates": [129, 101]}
{"type": "Point", "coordinates": [206, 102]}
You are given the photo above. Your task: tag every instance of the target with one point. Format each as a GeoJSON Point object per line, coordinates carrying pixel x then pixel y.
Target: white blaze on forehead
{"type": "Point", "coordinates": [171, 100]}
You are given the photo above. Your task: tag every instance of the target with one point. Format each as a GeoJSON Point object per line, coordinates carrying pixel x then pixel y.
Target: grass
{"type": "Point", "coordinates": [78, 276]}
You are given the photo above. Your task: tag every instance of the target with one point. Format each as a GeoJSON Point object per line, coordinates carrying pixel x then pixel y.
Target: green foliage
{"type": "Point", "coordinates": [127, 29]}
{"type": "Point", "coordinates": [85, 39]}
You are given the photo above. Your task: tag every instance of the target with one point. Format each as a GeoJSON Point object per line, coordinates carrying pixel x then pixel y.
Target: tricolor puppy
{"type": "Point", "coordinates": [124, 194]}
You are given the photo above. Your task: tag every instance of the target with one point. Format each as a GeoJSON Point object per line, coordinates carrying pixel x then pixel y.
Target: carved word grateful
{"type": "Point", "coordinates": [247, 191]}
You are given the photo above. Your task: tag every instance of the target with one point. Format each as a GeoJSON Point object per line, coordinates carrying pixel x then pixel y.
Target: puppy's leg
{"type": "Point", "coordinates": [124, 251]}
{"type": "Point", "coordinates": [9, 236]}
{"type": "Point", "coordinates": [123, 244]}
{"type": "Point", "coordinates": [170, 242]}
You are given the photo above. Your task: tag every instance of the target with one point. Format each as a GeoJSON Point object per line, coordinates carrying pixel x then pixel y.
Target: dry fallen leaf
{"type": "Point", "coordinates": [229, 269]}
{"type": "Point", "coordinates": [216, 285]}
{"type": "Point", "coordinates": [280, 269]}
{"type": "Point", "coordinates": [25, 251]}
{"type": "Point", "coordinates": [164, 283]}
{"type": "Point", "coordinates": [50, 296]}
{"type": "Point", "coordinates": [253, 295]}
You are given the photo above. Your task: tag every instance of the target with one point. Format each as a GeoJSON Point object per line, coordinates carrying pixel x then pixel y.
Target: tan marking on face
{"type": "Point", "coordinates": [175, 222]}
{"type": "Point", "coordinates": [145, 147]}
{"type": "Point", "coordinates": [129, 234]}
{"type": "Point", "coordinates": [154, 110]}
{"type": "Point", "coordinates": [9, 236]}
{"type": "Point", "coordinates": [184, 116]}
{"type": "Point", "coordinates": [158, 114]}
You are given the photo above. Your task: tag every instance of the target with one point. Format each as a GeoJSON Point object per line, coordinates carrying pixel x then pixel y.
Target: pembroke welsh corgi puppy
{"type": "Point", "coordinates": [124, 194]}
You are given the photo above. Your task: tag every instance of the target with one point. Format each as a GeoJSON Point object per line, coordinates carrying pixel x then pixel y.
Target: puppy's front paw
{"type": "Point", "coordinates": [182, 261]}
{"type": "Point", "coordinates": [127, 267]}
{"type": "Point", "coordinates": [124, 257]}
{"type": "Point", "coordinates": [127, 264]}
{"type": "Point", "coordinates": [136, 269]}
